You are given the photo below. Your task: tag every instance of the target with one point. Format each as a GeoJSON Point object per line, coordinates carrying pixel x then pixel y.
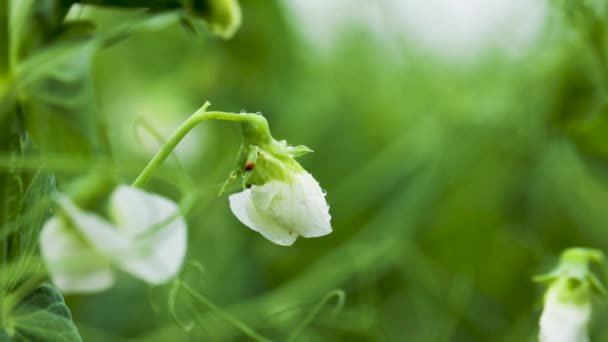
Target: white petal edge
{"type": "Point", "coordinates": [241, 205]}
{"type": "Point", "coordinates": [74, 267]}
{"type": "Point", "coordinates": [158, 232]}
{"type": "Point", "coordinates": [312, 218]}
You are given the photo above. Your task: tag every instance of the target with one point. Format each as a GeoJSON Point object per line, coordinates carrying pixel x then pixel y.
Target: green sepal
{"type": "Point", "coordinates": [298, 151]}
{"type": "Point", "coordinates": [261, 158]}
{"type": "Point", "coordinates": [282, 148]}
{"type": "Point", "coordinates": [241, 157]}
{"type": "Point", "coordinates": [574, 265]}
{"type": "Point", "coordinates": [244, 168]}
{"type": "Point", "coordinates": [249, 166]}
{"type": "Point", "coordinates": [596, 284]}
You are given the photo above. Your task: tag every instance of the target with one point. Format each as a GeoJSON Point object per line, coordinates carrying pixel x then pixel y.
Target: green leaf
{"type": "Point", "coordinates": [35, 209]}
{"type": "Point", "coordinates": [43, 316]}
{"type": "Point", "coordinates": [34, 24]}
{"type": "Point", "coordinates": [57, 99]}
{"type": "Point", "coordinates": [54, 85]}
{"type": "Point", "coordinates": [55, 89]}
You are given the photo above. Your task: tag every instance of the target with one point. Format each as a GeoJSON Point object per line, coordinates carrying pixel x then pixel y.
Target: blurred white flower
{"type": "Point", "coordinates": [147, 239]}
{"type": "Point", "coordinates": [283, 209]}
{"type": "Point", "coordinates": [457, 31]}
{"type": "Point", "coordinates": [567, 308]}
{"type": "Point", "coordinates": [564, 319]}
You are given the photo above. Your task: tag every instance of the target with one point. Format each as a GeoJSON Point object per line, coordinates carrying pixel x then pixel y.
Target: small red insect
{"type": "Point", "coordinates": [249, 166]}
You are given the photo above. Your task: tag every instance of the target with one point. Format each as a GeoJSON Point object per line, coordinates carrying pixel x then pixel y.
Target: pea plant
{"type": "Point", "coordinates": [65, 232]}
{"type": "Point", "coordinates": [70, 234]}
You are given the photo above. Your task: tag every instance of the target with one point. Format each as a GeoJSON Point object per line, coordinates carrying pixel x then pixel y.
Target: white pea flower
{"type": "Point", "coordinates": [567, 302]}
{"type": "Point", "coordinates": [146, 238]}
{"type": "Point", "coordinates": [280, 200]}
{"type": "Point", "coordinates": [283, 210]}
{"type": "Point", "coordinates": [565, 319]}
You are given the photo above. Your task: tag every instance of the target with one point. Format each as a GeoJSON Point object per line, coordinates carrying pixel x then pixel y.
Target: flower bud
{"type": "Point", "coordinates": [223, 17]}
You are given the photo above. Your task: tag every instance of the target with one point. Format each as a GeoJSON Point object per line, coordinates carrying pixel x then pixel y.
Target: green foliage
{"type": "Point", "coordinates": [52, 60]}
{"type": "Point", "coordinates": [57, 100]}
{"type": "Point", "coordinates": [450, 185]}
{"type": "Point", "coordinates": [42, 316]}
{"type": "Point", "coordinates": [47, 108]}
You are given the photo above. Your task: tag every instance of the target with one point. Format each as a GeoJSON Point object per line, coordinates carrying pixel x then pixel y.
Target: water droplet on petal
{"type": "Point", "coordinates": [243, 111]}
{"type": "Point", "coordinates": [258, 113]}
{"type": "Point", "coordinates": [324, 192]}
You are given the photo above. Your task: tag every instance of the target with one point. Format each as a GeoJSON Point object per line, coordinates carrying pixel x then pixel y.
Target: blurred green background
{"type": "Point", "coordinates": [452, 180]}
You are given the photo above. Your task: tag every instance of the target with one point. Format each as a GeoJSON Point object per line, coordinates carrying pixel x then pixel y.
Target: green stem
{"type": "Point", "coordinates": [29, 285]}
{"type": "Point", "coordinates": [225, 315]}
{"type": "Point", "coordinates": [338, 293]}
{"type": "Point", "coordinates": [195, 119]}
{"type": "Point", "coordinates": [184, 181]}
{"type": "Point", "coordinates": [4, 13]}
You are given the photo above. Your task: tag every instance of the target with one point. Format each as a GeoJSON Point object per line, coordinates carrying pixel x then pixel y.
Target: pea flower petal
{"type": "Point", "coordinates": [563, 320]}
{"type": "Point", "coordinates": [157, 230]}
{"type": "Point", "coordinates": [243, 208]}
{"type": "Point", "coordinates": [72, 264]}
